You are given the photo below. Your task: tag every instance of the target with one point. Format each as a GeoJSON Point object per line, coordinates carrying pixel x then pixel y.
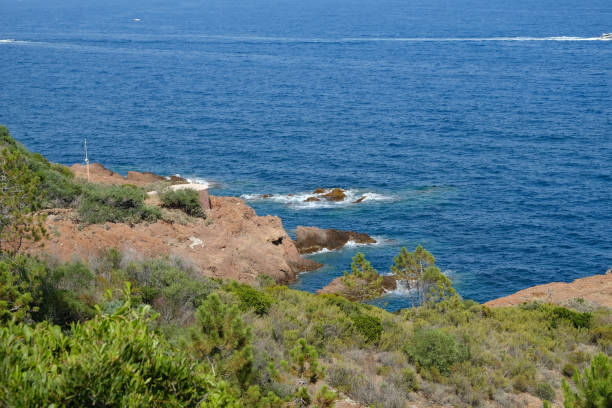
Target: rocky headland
{"type": "Point", "coordinates": [232, 242]}
{"type": "Point", "coordinates": [596, 290]}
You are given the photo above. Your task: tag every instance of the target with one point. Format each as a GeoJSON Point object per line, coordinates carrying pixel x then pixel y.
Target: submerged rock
{"type": "Point", "coordinates": [359, 200]}
{"type": "Point", "coordinates": [311, 199]}
{"type": "Point", "coordinates": [313, 239]}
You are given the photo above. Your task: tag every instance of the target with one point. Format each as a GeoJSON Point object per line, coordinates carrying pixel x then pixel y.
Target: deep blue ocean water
{"type": "Point", "coordinates": [473, 128]}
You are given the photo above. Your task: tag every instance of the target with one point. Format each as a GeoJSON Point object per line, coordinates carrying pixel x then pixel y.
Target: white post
{"type": "Point", "coordinates": [86, 160]}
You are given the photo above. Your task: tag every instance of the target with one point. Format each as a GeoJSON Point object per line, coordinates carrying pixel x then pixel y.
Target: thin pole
{"type": "Point", "coordinates": [86, 160]}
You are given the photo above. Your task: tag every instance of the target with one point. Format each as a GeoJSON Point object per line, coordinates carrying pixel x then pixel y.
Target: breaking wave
{"type": "Point", "coordinates": [299, 200]}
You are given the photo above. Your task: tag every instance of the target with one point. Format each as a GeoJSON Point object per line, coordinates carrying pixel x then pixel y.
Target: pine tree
{"type": "Point", "coordinates": [419, 270]}
{"type": "Point", "coordinates": [221, 339]}
{"type": "Point", "coordinates": [20, 198]}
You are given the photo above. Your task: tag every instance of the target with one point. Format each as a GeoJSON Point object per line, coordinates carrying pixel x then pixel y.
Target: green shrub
{"type": "Point", "coordinates": [186, 199]}
{"type": "Point", "coordinates": [369, 326]}
{"type": "Point", "coordinates": [251, 298]}
{"type": "Point", "coordinates": [124, 203]}
{"type": "Point", "coordinates": [578, 320]}
{"type": "Point", "coordinates": [568, 370]}
{"type": "Point", "coordinates": [593, 387]}
{"type": "Point", "coordinates": [545, 391]}
{"type": "Point", "coordinates": [407, 381]}
{"type": "Point", "coordinates": [325, 397]}
{"type": "Point", "coordinates": [112, 361]}
{"type": "Point", "coordinates": [174, 290]}
{"type": "Point", "coordinates": [435, 348]}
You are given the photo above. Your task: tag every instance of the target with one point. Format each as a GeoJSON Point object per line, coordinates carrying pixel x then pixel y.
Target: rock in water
{"type": "Point", "coordinates": [311, 199]}
{"type": "Point", "coordinates": [318, 191]}
{"type": "Point", "coordinates": [337, 194]}
{"type": "Point", "coordinates": [312, 239]}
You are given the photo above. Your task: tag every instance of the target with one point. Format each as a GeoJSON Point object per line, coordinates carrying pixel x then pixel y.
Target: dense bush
{"type": "Point", "coordinates": [545, 391]}
{"type": "Point", "coordinates": [369, 326]}
{"type": "Point", "coordinates": [111, 360]}
{"type": "Point", "coordinates": [578, 320]}
{"type": "Point", "coordinates": [174, 290]}
{"type": "Point", "coordinates": [434, 348]}
{"type": "Point", "coordinates": [251, 298]}
{"type": "Point", "coordinates": [186, 199]}
{"type": "Point", "coordinates": [124, 203]}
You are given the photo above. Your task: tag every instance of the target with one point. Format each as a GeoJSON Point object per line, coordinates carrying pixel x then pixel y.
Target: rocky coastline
{"type": "Point", "coordinates": [233, 242]}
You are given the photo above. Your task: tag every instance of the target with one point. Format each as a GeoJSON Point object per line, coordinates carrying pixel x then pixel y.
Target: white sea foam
{"type": "Point", "coordinates": [298, 200]}
{"type": "Point", "coordinates": [7, 41]}
{"type": "Point", "coordinates": [198, 180]}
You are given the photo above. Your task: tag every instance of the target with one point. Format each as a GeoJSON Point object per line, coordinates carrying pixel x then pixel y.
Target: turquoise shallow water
{"type": "Point", "coordinates": [482, 130]}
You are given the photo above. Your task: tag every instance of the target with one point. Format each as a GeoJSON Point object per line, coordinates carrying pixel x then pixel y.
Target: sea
{"type": "Point", "coordinates": [480, 129]}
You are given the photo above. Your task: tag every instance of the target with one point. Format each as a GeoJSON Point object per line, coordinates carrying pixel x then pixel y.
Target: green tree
{"type": "Point", "coordinates": [594, 386]}
{"type": "Point", "coordinates": [20, 198]}
{"type": "Point", "coordinates": [221, 338]}
{"type": "Point", "coordinates": [418, 269]}
{"type": "Point", "coordinates": [21, 281]}
{"type": "Point", "coordinates": [363, 282]}
{"type": "Point", "coordinates": [305, 361]}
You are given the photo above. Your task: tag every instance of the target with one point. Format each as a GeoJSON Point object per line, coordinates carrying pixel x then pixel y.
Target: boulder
{"type": "Point", "coordinates": [311, 199]}
{"type": "Point", "coordinates": [312, 239]}
{"type": "Point", "coordinates": [337, 194]}
{"type": "Point", "coordinates": [359, 200]}
{"type": "Point", "coordinates": [318, 191]}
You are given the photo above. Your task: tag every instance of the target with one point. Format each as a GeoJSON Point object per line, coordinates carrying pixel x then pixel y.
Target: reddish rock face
{"type": "Point", "coordinates": [312, 239]}
{"type": "Point", "coordinates": [100, 174]}
{"type": "Point", "coordinates": [596, 289]}
{"type": "Point", "coordinates": [232, 243]}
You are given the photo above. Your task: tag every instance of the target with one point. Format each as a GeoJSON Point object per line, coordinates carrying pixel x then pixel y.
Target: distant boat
{"type": "Point", "coordinates": [137, 20]}
{"type": "Point", "coordinates": [606, 36]}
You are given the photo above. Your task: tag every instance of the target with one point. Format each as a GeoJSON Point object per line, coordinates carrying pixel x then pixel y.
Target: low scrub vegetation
{"type": "Point", "coordinates": [279, 347]}
{"type": "Point", "coordinates": [56, 187]}
{"type": "Point", "coordinates": [187, 200]}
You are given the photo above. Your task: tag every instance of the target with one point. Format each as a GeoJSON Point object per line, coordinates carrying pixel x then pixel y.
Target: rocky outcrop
{"type": "Point", "coordinates": [100, 174]}
{"type": "Point", "coordinates": [232, 243]}
{"type": "Point", "coordinates": [595, 289]}
{"type": "Point", "coordinates": [337, 286]}
{"type": "Point", "coordinates": [336, 194]}
{"type": "Point", "coordinates": [312, 239]}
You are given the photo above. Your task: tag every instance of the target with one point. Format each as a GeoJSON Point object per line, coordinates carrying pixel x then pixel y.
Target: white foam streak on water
{"type": "Point", "coordinates": [198, 180]}
{"type": "Point", "coordinates": [298, 201]}
{"type": "Point", "coordinates": [256, 39]}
